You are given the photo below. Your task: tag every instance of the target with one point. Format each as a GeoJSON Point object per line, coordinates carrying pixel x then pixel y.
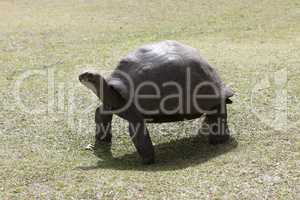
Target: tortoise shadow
{"type": "Point", "coordinates": [173, 155]}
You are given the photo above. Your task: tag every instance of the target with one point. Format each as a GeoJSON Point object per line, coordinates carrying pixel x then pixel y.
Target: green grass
{"type": "Point", "coordinates": [42, 156]}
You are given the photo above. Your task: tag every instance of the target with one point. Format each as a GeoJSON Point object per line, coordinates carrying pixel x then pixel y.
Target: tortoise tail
{"type": "Point", "coordinates": [228, 101]}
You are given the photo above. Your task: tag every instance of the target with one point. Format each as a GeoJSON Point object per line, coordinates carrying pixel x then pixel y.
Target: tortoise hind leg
{"type": "Point", "coordinates": [217, 126]}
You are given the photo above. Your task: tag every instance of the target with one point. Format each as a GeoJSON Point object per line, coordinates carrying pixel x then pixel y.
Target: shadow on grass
{"type": "Point", "coordinates": [173, 155]}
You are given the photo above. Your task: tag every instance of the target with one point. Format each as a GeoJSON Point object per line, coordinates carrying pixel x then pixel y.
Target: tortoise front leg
{"type": "Point", "coordinates": [103, 129]}
{"type": "Point", "coordinates": [103, 126]}
{"type": "Point", "coordinates": [142, 141]}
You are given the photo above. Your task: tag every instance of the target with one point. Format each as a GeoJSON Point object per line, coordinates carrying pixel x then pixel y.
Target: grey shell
{"type": "Point", "coordinates": [166, 62]}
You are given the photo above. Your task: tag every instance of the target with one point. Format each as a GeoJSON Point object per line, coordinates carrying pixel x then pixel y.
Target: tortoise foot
{"type": "Point", "coordinates": [218, 139]}
{"type": "Point", "coordinates": [90, 147]}
{"type": "Point", "coordinates": [148, 161]}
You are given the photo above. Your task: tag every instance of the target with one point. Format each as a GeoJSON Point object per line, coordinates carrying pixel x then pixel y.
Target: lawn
{"type": "Point", "coordinates": [47, 116]}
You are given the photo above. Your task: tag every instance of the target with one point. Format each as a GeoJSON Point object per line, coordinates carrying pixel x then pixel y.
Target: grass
{"type": "Point", "coordinates": [249, 42]}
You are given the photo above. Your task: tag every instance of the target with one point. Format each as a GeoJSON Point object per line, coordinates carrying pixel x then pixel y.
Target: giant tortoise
{"type": "Point", "coordinates": [161, 82]}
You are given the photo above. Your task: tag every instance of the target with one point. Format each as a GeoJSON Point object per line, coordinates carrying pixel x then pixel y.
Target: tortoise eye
{"type": "Point", "coordinates": [89, 78]}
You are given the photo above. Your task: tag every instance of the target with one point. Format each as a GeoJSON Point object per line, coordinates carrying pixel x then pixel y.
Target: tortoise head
{"type": "Point", "coordinates": [95, 82]}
